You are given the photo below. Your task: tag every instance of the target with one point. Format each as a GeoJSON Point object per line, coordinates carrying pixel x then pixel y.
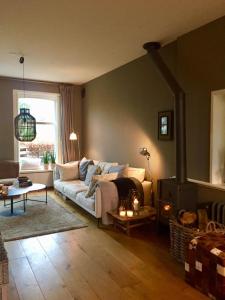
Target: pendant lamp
{"type": "Point", "coordinates": [25, 123]}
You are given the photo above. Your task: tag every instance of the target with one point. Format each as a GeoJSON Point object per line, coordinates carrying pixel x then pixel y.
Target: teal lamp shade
{"type": "Point", "coordinates": [25, 126]}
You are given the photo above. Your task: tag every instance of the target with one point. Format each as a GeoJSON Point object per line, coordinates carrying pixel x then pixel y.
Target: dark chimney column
{"type": "Point", "coordinates": [180, 124]}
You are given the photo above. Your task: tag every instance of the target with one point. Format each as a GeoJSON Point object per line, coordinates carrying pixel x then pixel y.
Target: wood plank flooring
{"type": "Point", "coordinates": [92, 263]}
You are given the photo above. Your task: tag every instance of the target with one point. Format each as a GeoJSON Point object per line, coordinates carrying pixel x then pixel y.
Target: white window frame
{"type": "Point", "coordinates": [217, 128]}
{"type": "Point", "coordinates": [39, 95]}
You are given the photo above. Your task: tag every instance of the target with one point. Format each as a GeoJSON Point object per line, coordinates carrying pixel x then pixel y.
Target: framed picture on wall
{"type": "Point", "coordinates": [165, 125]}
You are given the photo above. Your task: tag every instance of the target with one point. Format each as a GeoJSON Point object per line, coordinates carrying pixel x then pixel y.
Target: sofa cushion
{"type": "Point", "coordinates": [120, 169]}
{"type": "Point", "coordinates": [83, 167]}
{"type": "Point", "coordinates": [92, 170]}
{"type": "Point", "coordinates": [71, 187]}
{"type": "Point", "coordinates": [7, 181]}
{"type": "Point", "coordinates": [138, 173]}
{"type": "Point", "coordinates": [104, 165]}
{"type": "Point", "coordinates": [68, 171]}
{"type": "Point", "coordinates": [88, 203]}
{"type": "Point", "coordinates": [92, 186]}
{"type": "Point", "coordinates": [59, 185]}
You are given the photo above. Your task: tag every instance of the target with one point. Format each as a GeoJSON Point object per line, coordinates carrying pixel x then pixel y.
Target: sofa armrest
{"type": "Point", "coordinates": [147, 188]}
{"type": "Point", "coordinates": [106, 199]}
{"type": "Point", "coordinates": [56, 175]}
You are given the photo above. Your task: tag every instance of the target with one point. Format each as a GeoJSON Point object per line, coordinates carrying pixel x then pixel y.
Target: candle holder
{"type": "Point", "coordinates": [4, 190]}
{"type": "Point", "coordinates": [130, 213]}
{"type": "Point", "coordinates": [122, 209]}
{"type": "Point", "coordinates": [1, 186]}
{"type": "Point", "coordinates": [122, 213]}
{"type": "Point", "coordinates": [136, 206]}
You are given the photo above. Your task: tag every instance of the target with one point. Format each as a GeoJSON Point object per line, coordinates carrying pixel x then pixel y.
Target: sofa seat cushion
{"type": "Point", "coordinates": [88, 203]}
{"type": "Point", "coordinates": [59, 185]}
{"type": "Point", "coordinates": [70, 188]}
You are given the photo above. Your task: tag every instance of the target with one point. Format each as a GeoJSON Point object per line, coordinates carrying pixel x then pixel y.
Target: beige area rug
{"type": "Point", "coordinates": [39, 219]}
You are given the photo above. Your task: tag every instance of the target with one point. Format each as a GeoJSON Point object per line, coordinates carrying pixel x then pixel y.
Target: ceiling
{"type": "Point", "coordinates": [77, 40]}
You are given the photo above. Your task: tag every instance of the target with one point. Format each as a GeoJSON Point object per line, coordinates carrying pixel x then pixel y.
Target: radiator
{"type": "Point", "coordinates": [217, 212]}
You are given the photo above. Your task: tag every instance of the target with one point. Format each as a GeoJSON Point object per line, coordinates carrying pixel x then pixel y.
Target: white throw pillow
{"type": "Point", "coordinates": [138, 173]}
{"type": "Point", "coordinates": [69, 171]}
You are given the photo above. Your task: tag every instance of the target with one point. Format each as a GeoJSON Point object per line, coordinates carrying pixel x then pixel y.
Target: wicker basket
{"type": "Point", "coordinates": [180, 236]}
{"type": "Point", "coordinates": [4, 273]}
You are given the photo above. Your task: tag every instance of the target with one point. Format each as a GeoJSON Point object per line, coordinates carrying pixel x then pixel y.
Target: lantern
{"type": "Point", "coordinates": [25, 126]}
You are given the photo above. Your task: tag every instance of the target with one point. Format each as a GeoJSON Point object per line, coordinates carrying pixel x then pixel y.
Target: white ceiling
{"type": "Point", "coordinates": [78, 40]}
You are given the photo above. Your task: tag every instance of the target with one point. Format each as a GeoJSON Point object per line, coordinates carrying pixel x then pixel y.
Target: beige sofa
{"type": "Point", "coordinates": [105, 197]}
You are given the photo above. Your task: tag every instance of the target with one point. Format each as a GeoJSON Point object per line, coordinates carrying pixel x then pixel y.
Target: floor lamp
{"type": "Point", "coordinates": [74, 137]}
{"type": "Point", "coordinates": [144, 151]}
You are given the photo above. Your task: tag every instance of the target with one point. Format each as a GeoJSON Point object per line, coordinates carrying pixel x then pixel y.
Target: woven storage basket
{"type": "Point", "coordinates": [4, 273]}
{"type": "Point", "coordinates": [180, 236]}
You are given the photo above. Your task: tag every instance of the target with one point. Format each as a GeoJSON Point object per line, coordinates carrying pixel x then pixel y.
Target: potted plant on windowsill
{"type": "Point", "coordinates": [52, 159]}
{"type": "Point", "coordinates": [46, 160]}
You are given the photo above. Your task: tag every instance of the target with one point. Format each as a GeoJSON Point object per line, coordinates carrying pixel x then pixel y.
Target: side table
{"type": "Point", "coordinates": [145, 216]}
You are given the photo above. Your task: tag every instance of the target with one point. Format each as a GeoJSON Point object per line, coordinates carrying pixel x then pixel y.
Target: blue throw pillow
{"type": "Point", "coordinates": [83, 167]}
{"type": "Point", "coordinates": [117, 169]}
{"type": "Point", "coordinates": [92, 170]}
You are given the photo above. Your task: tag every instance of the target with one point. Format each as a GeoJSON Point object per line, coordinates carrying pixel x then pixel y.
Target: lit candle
{"type": "Point", "coordinates": [130, 213]}
{"type": "Point", "coordinates": [136, 204]}
{"type": "Point", "coordinates": [122, 213]}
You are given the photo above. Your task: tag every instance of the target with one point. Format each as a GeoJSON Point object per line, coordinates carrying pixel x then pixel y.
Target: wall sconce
{"type": "Point", "coordinates": [144, 151]}
{"type": "Point", "coordinates": [74, 137]}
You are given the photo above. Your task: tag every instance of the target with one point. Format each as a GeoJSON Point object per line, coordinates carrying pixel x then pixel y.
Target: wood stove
{"type": "Point", "coordinates": [177, 193]}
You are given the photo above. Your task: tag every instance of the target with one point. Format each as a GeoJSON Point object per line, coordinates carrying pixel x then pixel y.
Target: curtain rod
{"type": "Point", "coordinates": [34, 80]}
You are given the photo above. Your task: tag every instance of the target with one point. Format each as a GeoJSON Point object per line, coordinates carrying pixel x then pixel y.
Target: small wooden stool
{"type": "Point", "coordinates": [145, 216]}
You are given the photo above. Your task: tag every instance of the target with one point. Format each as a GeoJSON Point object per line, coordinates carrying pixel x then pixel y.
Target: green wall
{"type": "Point", "coordinates": [121, 107]}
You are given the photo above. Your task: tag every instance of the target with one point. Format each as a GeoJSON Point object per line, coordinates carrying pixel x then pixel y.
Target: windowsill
{"type": "Point", "coordinates": [208, 184]}
{"type": "Point", "coordinates": [35, 171]}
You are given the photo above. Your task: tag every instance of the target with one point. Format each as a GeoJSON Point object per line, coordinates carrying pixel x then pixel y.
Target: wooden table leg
{"type": "Point", "coordinates": [114, 223]}
{"type": "Point", "coordinates": [128, 227]}
{"type": "Point", "coordinates": [24, 203]}
{"type": "Point", "coordinates": [46, 195]}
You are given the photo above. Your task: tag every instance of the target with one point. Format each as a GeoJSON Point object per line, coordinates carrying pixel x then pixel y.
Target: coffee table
{"type": "Point", "coordinates": [146, 215]}
{"type": "Point", "coordinates": [14, 193]}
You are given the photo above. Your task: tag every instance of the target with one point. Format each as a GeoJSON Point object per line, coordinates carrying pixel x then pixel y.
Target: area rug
{"type": "Point", "coordinates": [39, 219]}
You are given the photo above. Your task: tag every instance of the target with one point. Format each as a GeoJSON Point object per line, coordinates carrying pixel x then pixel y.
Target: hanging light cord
{"type": "Point", "coordinates": [22, 62]}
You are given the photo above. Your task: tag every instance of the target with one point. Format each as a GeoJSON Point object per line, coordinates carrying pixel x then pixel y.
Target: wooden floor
{"type": "Point", "coordinates": [92, 263]}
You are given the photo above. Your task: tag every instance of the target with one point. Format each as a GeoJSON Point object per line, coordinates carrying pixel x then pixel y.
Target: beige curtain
{"type": "Point", "coordinates": [68, 113]}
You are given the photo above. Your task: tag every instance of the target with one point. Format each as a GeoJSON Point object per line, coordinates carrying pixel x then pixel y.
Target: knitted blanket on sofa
{"type": "Point", "coordinates": [124, 187]}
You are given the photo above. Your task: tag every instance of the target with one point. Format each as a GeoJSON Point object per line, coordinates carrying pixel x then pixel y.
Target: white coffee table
{"type": "Point", "coordinates": [14, 192]}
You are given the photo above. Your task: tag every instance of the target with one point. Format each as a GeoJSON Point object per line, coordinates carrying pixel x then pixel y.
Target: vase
{"type": "Point", "coordinates": [52, 166]}
{"type": "Point", "coordinates": [45, 166]}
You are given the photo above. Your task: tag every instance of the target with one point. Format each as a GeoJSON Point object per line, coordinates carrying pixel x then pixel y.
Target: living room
{"type": "Point", "coordinates": [95, 92]}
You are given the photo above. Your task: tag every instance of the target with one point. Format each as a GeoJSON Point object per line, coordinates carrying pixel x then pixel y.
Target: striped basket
{"type": "Point", "coordinates": [4, 271]}
{"type": "Point", "coordinates": [180, 236]}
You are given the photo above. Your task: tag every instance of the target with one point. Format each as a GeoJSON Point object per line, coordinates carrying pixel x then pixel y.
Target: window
{"type": "Point", "coordinates": [44, 107]}
{"type": "Point", "coordinates": [217, 147]}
